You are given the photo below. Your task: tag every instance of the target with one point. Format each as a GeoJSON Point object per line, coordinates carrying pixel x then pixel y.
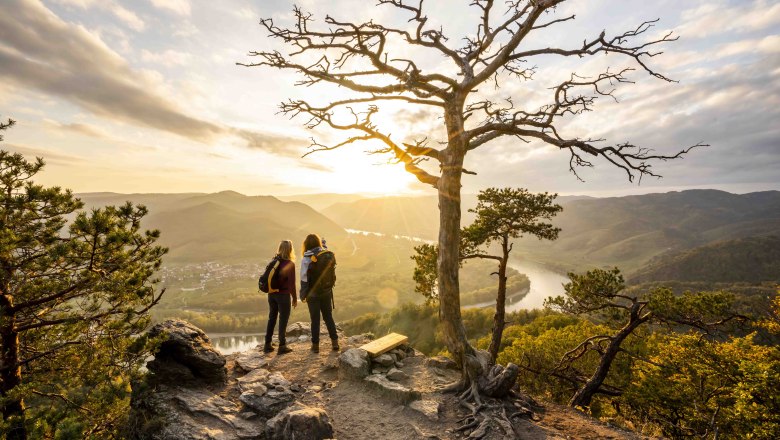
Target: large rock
{"type": "Point", "coordinates": [385, 360]}
{"type": "Point", "coordinates": [253, 379]}
{"type": "Point", "coordinates": [185, 354]}
{"type": "Point", "coordinates": [354, 364]}
{"type": "Point", "coordinates": [391, 390]}
{"type": "Point", "coordinates": [251, 360]}
{"type": "Point", "coordinates": [299, 422]}
{"type": "Point", "coordinates": [396, 375]}
{"type": "Point", "coordinates": [176, 413]}
{"type": "Point", "coordinates": [267, 401]}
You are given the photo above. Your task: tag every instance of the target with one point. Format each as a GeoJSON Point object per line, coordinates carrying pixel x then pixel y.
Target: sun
{"type": "Point", "coordinates": [367, 175]}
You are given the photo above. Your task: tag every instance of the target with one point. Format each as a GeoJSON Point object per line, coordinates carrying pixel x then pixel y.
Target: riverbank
{"type": "Point", "coordinates": [510, 299]}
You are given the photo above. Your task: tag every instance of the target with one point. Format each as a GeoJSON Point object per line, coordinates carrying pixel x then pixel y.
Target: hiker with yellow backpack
{"type": "Point", "coordinates": [318, 276]}
{"type": "Point", "coordinates": [278, 281]}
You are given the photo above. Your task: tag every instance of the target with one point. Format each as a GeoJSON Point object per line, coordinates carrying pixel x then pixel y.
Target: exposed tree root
{"type": "Point", "coordinates": [486, 393]}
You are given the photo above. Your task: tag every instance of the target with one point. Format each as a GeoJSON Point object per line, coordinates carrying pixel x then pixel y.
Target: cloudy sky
{"type": "Point", "coordinates": [146, 96]}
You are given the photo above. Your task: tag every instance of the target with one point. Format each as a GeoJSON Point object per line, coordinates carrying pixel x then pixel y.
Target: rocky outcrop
{"type": "Point", "coordinates": [299, 422]}
{"type": "Point", "coordinates": [300, 396]}
{"type": "Point", "coordinates": [178, 413]}
{"type": "Point", "coordinates": [266, 394]}
{"type": "Point", "coordinates": [391, 390]}
{"type": "Point", "coordinates": [185, 355]}
{"type": "Point", "coordinates": [354, 364]}
{"type": "Point", "coordinates": [251, 360]}
{"type": "Point", "coordinates": [187, 396]}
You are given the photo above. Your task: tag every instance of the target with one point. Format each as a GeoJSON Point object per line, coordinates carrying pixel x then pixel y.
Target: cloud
{"type": "Point", "coordinates": [734, 108]}
{"type": "Point", "coordinates": [767, 45]}
{"type": "Point", "coordinates": [715, 18]}
{"type": "Point", "coordinates": [38, 50]}
{"type": "Point", "coordinates": [79, 128]}
{"type": "Point", "coordinates": [168, 58]}
{"type": "Point", "coordinates": [274, 144]}
{"type": "Point", "coordinates": [41, 51]}
{"type": "Point", "coordinates": [180, 7]}
{"type": "Point", "coordinates": [48, 156]}
{"type": "Point", "coordinates": [128, 17]}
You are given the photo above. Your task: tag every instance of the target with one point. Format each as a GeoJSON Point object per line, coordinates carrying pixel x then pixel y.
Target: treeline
{"type": "Point", "coordinates": [516, 287]}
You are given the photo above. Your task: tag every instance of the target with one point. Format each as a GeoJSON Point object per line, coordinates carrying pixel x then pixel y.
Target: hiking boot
{"type": "Point", "coordinates": [315, 347]}
{"type": "Point", "coordinates": [268, 348]}
{"type": "Point", "coordinates": [335, 344]}
{"type": "Point", "coordinates": [284, 349]}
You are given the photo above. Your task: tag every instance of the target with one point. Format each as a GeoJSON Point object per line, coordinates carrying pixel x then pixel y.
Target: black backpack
{"type": "Point", "coordinates": [270, 276]}
{"type": "Point", "coordinates": [321, 274]}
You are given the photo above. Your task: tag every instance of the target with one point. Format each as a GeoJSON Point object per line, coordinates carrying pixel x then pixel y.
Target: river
{"type": "Point", "coordinates": [544, 282]}
{"type": "Point", "coordinates": [228, 343]}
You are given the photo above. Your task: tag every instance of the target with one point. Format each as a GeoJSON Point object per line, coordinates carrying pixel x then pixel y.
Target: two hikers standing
{"type": "Point", "coordinates": [318, 276]}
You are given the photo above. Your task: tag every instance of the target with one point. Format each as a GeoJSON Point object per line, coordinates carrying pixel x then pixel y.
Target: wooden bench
{"type": "Point", "coordinates": [384, 344]}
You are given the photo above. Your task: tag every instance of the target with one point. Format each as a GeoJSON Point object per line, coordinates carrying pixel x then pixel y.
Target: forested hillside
{"type": "Point", "coordinates": [752, 259]}
{"type": "Point", "coordinates": [629, 231]}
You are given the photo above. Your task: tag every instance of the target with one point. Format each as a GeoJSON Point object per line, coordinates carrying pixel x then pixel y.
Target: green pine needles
{"type": "Point", "coordinates": [75, 291]}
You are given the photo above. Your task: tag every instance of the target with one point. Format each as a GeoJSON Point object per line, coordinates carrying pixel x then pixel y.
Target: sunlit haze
{"type": "Point", "coordinates": [146, 96]}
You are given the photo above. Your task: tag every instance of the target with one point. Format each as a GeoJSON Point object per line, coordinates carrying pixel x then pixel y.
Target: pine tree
{"type": "Point", "coordinates": [75, 291]}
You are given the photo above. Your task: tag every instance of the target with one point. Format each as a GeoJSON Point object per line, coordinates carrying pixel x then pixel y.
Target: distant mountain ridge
{"type": "Point", "coordinates": [617, 231]}
{"type": "Point", "coordinates": [623, 231]}
{"type": "Point", "coordinates": [415, 216]}
{"type": "Point", "coordinates": [628, 231]}
{"type": "Point", "coordinates": [410, 216]}
{"type": "Point", "coordinates": [223, 226]}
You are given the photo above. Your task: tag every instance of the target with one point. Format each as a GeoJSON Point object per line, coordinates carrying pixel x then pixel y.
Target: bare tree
{"type": "Point", "coordinates": [356, 57]}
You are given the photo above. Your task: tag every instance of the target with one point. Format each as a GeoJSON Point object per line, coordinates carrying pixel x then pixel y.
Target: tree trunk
{"type": "Point", "coordinates": [448, 264]}
{"type": "Point", "coordinates": [584, 395]}
{"type": "Point", "coordinates": [449, 241]}
{"type": "Point", "coordinates": [10, 371]}
{"type": "Point", "coordinates": [499, 319]}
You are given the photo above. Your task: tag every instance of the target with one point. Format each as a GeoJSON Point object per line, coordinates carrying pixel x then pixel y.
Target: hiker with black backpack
{"type": "Point", "coordinates": [278, 281]}
{"type": "Point", "coordinates": [318, 276]}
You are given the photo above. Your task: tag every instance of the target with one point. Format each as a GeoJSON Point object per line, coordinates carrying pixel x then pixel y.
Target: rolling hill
{"type": "Point", "coordinates": [753, 259]}
{"type": "Point", "coordinates": [623, 231]}
{"type": "Point", "coordinates": [225, 226]}
{"type": "Point", "coordinates": [321, 201]}
{"type": "Point", "coordinates": [409, 216]}
{"type": "Point", "coordinates": [628, 231]}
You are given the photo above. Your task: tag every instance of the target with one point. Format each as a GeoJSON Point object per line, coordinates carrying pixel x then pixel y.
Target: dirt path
{"type": "Point", "coordinates": [359, 413]}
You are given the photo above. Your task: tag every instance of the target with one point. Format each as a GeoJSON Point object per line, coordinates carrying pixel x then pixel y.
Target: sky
{"type": "Point", "coordinates": [147, 96]}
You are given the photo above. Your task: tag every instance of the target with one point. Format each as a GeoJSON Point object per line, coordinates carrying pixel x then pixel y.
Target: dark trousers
{"type": "Point", "coordinates": [321, 304]}
{"type": "Point", "coordinates": [280, 305]}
